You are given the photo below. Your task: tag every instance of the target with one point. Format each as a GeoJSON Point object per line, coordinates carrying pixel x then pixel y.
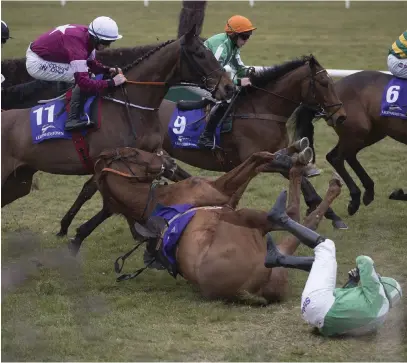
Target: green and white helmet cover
{"type": "Point", "coordinates": [392, 289]}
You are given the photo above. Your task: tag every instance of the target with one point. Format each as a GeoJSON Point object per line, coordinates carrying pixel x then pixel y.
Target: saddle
{"type": "Point", "coordinates": [184, 105]}
{"type": "Point", "coordinates": [152, 229]}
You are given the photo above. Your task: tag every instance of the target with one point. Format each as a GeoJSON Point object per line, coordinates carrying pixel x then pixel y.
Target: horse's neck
{"type": "Point", "coordinates": [158, 67]}
{"type": "Point", "coordinates": [288, 88]}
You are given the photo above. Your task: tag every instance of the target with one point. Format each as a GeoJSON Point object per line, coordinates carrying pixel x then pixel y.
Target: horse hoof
{"type": "Point", "coordinates": [353, 208]}
{"type": "Point", "coordinates": [304, 143]}
{"type": "Point", "coordinates": [368, 197]}
{"type": "Point", "coordinates": [396, 194]}
{"type": "Point", "coordinates": [339, 224]}
{"type": "Point", "coordinates": [73, 246]}
{"type": "Point", "coordinates": [305, 156]}
{"type": "Point", "coordinates": [61, 233]}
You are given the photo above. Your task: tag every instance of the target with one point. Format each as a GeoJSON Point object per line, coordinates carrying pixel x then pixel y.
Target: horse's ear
{"type": "Point", "coordinates": [190, 34]}
{"type": "Point", "coordinates": [312, 61]}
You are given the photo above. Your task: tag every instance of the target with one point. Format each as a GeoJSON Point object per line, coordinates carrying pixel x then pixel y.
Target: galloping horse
{"type": "Point", "coordinates": [134, 124]}
{"type": "Point", "coordinates": [259, 115]}
{"type": "Point", "coordinates": [361, 94]}
{"type": "Point", "coordinates": [221, 250]}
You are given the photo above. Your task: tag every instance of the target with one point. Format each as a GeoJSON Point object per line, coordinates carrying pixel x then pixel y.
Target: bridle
{"type": "Point", "coordinates": [147, 177]}
{"type": "Point", "coordinates": [321, 111]}
{"type": "Point", "coordinates": [193, 65]}
{"type": "Point", "coordinates": [197, 68]}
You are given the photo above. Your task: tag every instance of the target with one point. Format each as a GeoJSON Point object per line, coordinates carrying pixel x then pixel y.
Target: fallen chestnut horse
{"type": "Point", "coordinates": [222, 250]}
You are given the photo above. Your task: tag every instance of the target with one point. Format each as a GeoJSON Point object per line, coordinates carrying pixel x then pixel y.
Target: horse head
{"type": "Point", "coordinates": [319, 93]}
{"type": "Point", "coordinates": [301, 81]}
{"type": "Point", "coordinates": [199, 65]}
{"type": "Point", "coordinates": [183, 60]}
{"type": "Point", "coordinates": [136, 164]}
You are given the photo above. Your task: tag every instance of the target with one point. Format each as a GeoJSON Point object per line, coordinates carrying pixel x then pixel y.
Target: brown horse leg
{"type": "Point", "coordinates": [253, 218]}
{"type": "Point", "coordinates": [282, 160]}
{"type": "Point", "coordinates": [367, 182]}
{"type": "Point", "coordinates": [336, 159]}
{"type": "Point", "coordinates": [88, 191]}
{"type": "Point", "coordinates": [238, 178]}
{"type": "Point", "coordinates": [86, 229]}
{"type": "Point", "coordinates": [17, 185]}
{"type": "Point", "coordinates": [351, 159]}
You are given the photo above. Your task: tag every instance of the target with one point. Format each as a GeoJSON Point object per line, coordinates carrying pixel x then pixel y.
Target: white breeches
{"type": "Point", "coordinates": [39, 68]}
{"type": "Point", "coordinates": [318, 295]}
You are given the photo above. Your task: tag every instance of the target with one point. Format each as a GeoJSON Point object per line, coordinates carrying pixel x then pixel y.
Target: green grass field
{"type": "Point", "coordinates": [75, 311]}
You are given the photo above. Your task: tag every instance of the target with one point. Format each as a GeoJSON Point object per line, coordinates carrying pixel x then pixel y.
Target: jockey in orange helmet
{"type": "Point", "coordinates": [226, 48]}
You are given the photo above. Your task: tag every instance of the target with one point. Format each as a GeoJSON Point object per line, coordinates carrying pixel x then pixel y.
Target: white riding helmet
{"type": "Point", "coordinates": [104, 28]}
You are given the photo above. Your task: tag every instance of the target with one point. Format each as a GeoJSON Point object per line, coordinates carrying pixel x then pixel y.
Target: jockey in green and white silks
{"type": "Point", "coordinates": [226, 48]}
{"type": "Point", "coordinates": [360, 307]}
{"type": "Point", "coordinates": [227, 54]}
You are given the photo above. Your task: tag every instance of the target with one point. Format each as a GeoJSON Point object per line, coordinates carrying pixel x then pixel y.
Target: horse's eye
{"type": "Point", "coordinates": [324, 83]}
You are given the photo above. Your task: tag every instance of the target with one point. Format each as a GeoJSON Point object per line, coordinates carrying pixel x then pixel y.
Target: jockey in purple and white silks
{"type": "Point", "coordinates": [66, 53]}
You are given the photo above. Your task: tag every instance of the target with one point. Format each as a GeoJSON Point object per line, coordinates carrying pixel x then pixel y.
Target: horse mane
{"type": "Point", "coordinates": [124, 57]}
{"type": "Point", "coordinates": [120, 57]}
{"type": "Point", "coordinates": [14, 71]}
{"type": "Point", "coordinates": [269, 74]}
{"type": "Point", "coordinates": [148, 54]}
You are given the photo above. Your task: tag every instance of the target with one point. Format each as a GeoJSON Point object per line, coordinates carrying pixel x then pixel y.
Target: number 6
{"type": "Point", "coordinates": [392, 94]}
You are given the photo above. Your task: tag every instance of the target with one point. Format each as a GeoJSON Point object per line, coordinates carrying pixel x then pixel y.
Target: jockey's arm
{"type": "Point", "coordinates": [95, 66]}
{"type": "Point", "coordinates": [369, 280]}
{"type": "Point", "coordinates": [239, 68]}
{"type": "Point", "coordinates": [83, 80]}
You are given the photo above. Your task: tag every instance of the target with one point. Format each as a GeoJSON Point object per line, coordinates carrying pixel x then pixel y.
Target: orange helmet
{"type": "Point", "coordinates": [238, 24]}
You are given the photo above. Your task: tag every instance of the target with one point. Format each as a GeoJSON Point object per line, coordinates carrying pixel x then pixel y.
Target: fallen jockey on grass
{"type": "Point", "coordinates": [66, 53]}
{"type": "Point", "coordinates": [351, 310]}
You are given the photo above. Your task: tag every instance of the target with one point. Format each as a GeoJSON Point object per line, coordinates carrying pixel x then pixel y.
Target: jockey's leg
{"type": "Point", "coordinates": [396, 66]}
{"type": "Point", "coordinates": [318, 295]}
{"type": "Point", "coordinates": [206, 140]}
{"type": "Point", "coordinates": [275, 258]}
{"type": "Point", "coordinates": [279, 216]}
{"type": "Point", "coordinates": [41, 69]}
{"type": "Point", "coordinates": [78, 101]}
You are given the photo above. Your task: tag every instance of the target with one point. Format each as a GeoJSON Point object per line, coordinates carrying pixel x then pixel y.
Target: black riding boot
{"type": "Point", "coordinates": [74, 122]}
{"type": "Point", "coordinates": [278, 215]}
{"type": "Point", "coordinates": [275, 258]}
{"type": "Point", "coordinates": [206, 140]}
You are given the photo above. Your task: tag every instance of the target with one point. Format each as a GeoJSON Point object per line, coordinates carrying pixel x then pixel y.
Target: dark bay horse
{"type": "Point", "coordinates": [361, 94]}
{"type": "Point", "coordinates": [185, 59]}
{"type": "Point", "coordinates": [221, 250]}
{"type": "Point", "coordinates": [259, 117]}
